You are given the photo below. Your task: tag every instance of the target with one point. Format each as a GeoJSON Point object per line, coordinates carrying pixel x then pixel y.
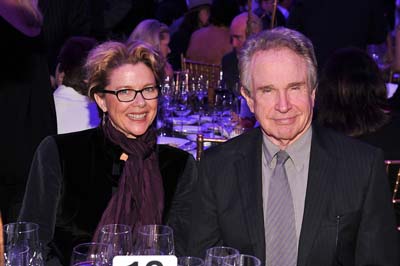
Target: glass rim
{"type": "Point", "coordinates": [147, 229]}
{"type": "Point", "coordinates": [126, 228]}
{"type": "Point", "coordinates": [88, 245]}
{"type": "Point", "coordinates": [17, 225]}
{"type": "Point", "coordinates": [235, 251]}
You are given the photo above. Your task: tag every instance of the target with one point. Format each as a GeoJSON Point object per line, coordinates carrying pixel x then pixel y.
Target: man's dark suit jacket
{"type": "Point", "coordinates": [348, 215]}
{"type": "Point", "coordinates": [230, 70]}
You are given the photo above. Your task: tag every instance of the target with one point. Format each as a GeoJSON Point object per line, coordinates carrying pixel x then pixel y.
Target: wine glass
{"type": "Point", "coordinates": [190, 261]}
{"type": "Point", "coordinates": [91, 254]}
{"type": "Point", "coordinates": [242, 260]}
{"type": "Point", "coordinates": [118, 237]}
{"type": "Point", "coordinates": [215, 256]}
{"type": "Point", "coordinates": [24, 234]}
{"type": "Point", "coordinates": [182, 106]}
{"type": "Point", "coordinates": [16, 255]}
{"type": "Point", "coordinates": [154, 240]}
{"type": "Point", "coordinates": [201, 94]}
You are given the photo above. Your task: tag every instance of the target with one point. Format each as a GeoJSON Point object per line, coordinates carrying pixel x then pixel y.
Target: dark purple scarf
{"type": "Point", "coordinates": [139, 199]}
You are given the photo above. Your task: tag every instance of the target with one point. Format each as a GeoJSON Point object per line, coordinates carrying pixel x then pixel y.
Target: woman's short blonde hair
{"type": "Point", "coordinates": [151, 31]}
{"type": "Point", "coordinates": [110, 55]}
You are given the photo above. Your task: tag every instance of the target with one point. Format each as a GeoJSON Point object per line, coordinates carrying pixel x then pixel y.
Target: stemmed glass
{"type": "Point", "coordinates": [182, 107]}
{"type": "Point", "coordinates": [242, 260]}
{"type": "Point", "coordinates": [16, 255]}
{"type": "Point", "coordinates": [201, 93]}
{"type": "Point", "coordinates": [154, 240]}
{"type": "Point", "coordinates": [118, 237]}
{"type": "Point", "coordinates": [166, 107]}
{"type": "Point", "coordinates": [215, 256]}
{"type": "Point", "coordinates": [91, 254]}
{"type": "Point", "coordinates": [21, 235]}
{"type": "Point", "coordinates": [190, 261]}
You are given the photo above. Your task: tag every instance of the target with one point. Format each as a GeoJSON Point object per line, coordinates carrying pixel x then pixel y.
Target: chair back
{"type": "Point", "coordinates": [393, 172]}
{"type": "Point", "coordinates": [210, 72]}
{"type": "Point", "coordinates": [200, 144]}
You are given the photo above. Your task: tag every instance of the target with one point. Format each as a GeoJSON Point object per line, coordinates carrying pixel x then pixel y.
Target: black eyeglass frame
{"type": "Point", "coordinates": [157, 87]}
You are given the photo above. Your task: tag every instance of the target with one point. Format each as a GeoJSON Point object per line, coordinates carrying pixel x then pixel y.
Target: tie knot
{"type": "Point", "coordinates": [281, 157]}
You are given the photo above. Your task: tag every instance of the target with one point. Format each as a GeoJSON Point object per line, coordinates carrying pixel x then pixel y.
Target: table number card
{"type": "Point", "coordinates": [169, 260]}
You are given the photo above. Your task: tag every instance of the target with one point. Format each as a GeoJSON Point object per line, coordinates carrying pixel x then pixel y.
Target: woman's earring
{"type": "Point", "coordinates": [103, 120]}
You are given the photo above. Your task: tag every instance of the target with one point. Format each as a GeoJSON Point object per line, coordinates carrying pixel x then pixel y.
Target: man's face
{"type": "Point", "coordinates": [267, 5]}
{"type": "Point", "coordinates": [280, 97]}
{"type": "Point", "coordinates": [238, 34]}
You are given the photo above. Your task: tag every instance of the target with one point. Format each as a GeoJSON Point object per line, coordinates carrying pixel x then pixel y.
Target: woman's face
{"type": "Point", "coordinates": [164, 45]}
{"type": "Point", "coordinates": [135, 117]}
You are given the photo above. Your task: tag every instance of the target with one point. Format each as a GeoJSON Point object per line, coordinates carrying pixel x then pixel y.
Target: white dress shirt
{"type": "Point", "coordinates": [75, 112]}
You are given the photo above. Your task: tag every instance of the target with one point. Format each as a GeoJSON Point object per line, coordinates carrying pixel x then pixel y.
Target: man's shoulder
{"type": "Point", "coordinates": [229, 57]}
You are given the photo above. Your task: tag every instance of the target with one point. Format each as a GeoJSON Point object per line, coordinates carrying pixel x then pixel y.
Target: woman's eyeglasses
{"type": "Point", "coordinates": [128, 95]}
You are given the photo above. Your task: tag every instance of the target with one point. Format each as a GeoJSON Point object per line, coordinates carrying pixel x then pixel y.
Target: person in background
{"type": "Point", "coordinates": [331, 25]}
{"type": "Point", "coordinates": [238, 35]}
{"type": "Point", "coordinates": [156, 34]}
{"type": "Point", "coordinates": [115, 173]}
{"type": "Point", "coordinates": [353, 100]}
{"type": "Point", "coordinates": [229, 63]}
{"type": "Point", "coordinates": [284, 7]}
{"type": "Point", "coordinates": [26, 100]}
{"type": "Point", "coordinates": [196, 17]}
{"type": "Point", "coordinates": [292, 192]}
{"type": "Point", "coordinates": [264, 12]}
{"type": "Point", "coordinates": [200, 48]}
{"type": "Point", "coordinates": [74, 109]}
{"type": "Point", "coordinates": [63, 19]}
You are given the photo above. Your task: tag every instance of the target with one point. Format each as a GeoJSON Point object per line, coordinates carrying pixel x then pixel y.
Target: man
{"type": "Point", "coordinates": [265, 10]}
{"type": "Point", "coordinates": [229, 63]}
{"type": "Point", "coordinates": [335, 208]}
{"type": "Point", "coordinates": [238, 37]}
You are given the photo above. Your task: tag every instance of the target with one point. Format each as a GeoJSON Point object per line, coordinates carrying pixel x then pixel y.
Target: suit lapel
{"type": "Point", "coordinates": [248, 177]}
{"type": "Point", "coordinates": [320, 175]}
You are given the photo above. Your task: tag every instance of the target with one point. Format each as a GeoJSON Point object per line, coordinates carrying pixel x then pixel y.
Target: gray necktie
{"type": "Point", "coordinates": [281, 241]}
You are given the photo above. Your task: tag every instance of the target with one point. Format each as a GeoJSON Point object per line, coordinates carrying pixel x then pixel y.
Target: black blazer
{"type": "Point", "coordinates": [72, 179]}
{"type": "Point", "coordinates": [348, 216]}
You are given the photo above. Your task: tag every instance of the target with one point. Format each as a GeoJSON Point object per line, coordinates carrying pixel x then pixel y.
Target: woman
{"type": "Point", "coordinates": [196, 17]}
{"type": "Point", "coordinates": [200, 47]}
{"type": "Point", "coordinates": [352, 99]}
{"type": "Point", "coordinates": [114, 173]}
{"type": "Point", "coordinates": [156, 34]}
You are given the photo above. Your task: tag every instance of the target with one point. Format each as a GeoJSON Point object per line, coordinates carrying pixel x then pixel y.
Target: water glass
{"type": "Point", "coordinates": [16, 255]}
{"type": "Point", "coordinates": [91, 254]}
{"type": "Point", "coordinates": [190, 261]}
{"type": "Point", "coordinates": [215, 256]}
{"type": "Point", "coordinates": [154, 240]}
{"type": "Point", "coordinates": [242, 260]}
{"type": "Point", "coordinates": [21, 235]}
{"type": "Point", "coordinates": [118, 237]}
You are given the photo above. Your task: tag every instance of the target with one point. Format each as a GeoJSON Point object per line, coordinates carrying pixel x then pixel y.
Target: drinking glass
{"type": "Point", "coordinates": [16, 255]}
{"type": "Point", "coordinates": [215, 256]}
{"type": "Point", "coordinates": [19, 235]}
{"type": "Point", "coordinates": [190, 261]}
{"type": "Point", "coordinates": [118, 237]}
{"type": "Point", "coordinates": [242, 260]}
{"type": "Point", "coordinates": [91, 254]}
{"type": "Point", "coordinates": [154, 240]}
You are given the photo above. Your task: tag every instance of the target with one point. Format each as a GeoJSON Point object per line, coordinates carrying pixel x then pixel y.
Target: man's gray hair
{"type": "Point", "coordinates": [277, 38]}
